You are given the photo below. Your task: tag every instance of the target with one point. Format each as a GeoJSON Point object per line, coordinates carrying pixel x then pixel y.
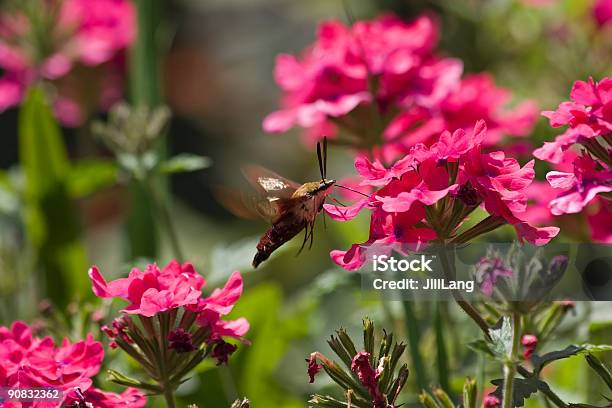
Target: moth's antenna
{"type": "Point", "coordinates": [320, 160]}
{"type": "Point", "coordinates": [350, 189]}
{"type": "Point", "coordinates": [324, 157]}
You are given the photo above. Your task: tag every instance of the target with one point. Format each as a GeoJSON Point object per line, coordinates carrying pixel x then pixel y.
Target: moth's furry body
{"type": "Point", "coordinates": [294, 214]}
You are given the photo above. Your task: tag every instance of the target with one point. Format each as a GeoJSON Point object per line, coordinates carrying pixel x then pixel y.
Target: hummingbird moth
{"type": "Point", "coordinates": [288, 206]}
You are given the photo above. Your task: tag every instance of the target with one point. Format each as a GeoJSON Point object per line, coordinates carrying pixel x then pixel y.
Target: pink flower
{"type": "Point", "coordinates": [313, 367]}
{"type": "Point", "coordinates": [101, 27]}
{"type": "Point", "coordinates": [454, 173]}
{"type": "Point", "coordinates": [90, 32]}
{"type": "Point", "coordinates": [491, 401]}
{"type": "Point", "coordinates": [476, 98]}
{"type": "Point", "coordinates": [580, 187]}
{"type": "Point", "coordinates": [331, 79]}
{"type": "Point", "coordinates": [153, 290]}
{"type": "Point", "coordinates": [28, 361]}
{"type": "Point", "coordinates": [602, 12]}
{"type": "Point", "coordinates": [488, 271]}
{"type": "Point", "coordinates": [218, 304]}
{"type": "Point", "coordinates": [590, 106]}
{"type": "Point", "coordinates": [130, 398]}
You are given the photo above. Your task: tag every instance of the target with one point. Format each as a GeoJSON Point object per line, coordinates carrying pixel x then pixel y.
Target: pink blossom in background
{"type": "Point", "coordinates": [331, 78]}
{"type": "Point", "coordinates": [88, 32]}
{"type": "Point", "coordinates": [389, 69]}
{"type": "Point", "coordinates": [29, 361]}
{"type": "Point", "coordinates": [602, 12]}
{"type": "Point", "coordinates": [476, 97]}
{"type": "Point", "coordinates": [421, 179]}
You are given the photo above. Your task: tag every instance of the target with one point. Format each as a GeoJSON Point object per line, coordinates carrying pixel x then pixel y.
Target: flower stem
{"type": "Point", "coordinates": [163, 212]}
{"type": "Point", "coordinates": [510, 364]}
{"type": "Point", "coordinates": [448, 267]}
{"type": "Point", "coordinates": [169, 397]}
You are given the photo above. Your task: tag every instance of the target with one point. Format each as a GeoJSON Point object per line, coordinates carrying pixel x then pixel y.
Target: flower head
{"type": "Point", "coordinates": [30, 361]}
{"type": "Point", "coordinates": [153, 290]}
{"type": "Point", "coordinates": [332, 78]}
{"type": "Point", "coordinates": [488, 271]}
{"type": "Point", "coordinates": [428, 193]}
{"type": "Point", "coordinates": [588, 115]}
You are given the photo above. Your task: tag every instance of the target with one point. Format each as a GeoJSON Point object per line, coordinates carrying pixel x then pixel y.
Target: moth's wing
{"type": "Point", "coordinates": [249, 206]}
{"type": "Point", "coordinates": [269, 184]}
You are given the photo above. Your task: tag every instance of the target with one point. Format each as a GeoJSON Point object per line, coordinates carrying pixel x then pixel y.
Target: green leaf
{"type": "Point", "coordinates": [594, 348]}
{"type": "Point", "coordinates": [88, 176]}
{"type": "Point", "coordinates": [49, 214]}
{"type": "Point", "coordinates": [600, 368]}
{"type": "Point", "coordinates": [539, 362]}
{"type": "Point", "coordinates": [501, 338]}
{"type": "Point", "coordinates": [184, 163]}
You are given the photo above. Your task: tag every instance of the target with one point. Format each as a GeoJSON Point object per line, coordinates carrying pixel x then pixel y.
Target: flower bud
{"type": "Point", "coordinates": [181, 341]}
{"type": "Point", "coordinates": [313, 367]}
{"type": "Point", "coordinates": [491, 401]}
{"type": "Point", "coordinates": [222, 350]}
{"type": "Point", "coordinates": [530, 342]}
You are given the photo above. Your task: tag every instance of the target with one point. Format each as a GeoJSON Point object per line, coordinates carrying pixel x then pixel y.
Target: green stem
{"type": "Point", "coordinates": [165, 218]}
{"type": "Point", "coordinates": [442, 354]}
{"type": "Point", "coordinates": [510, 364]}
{"type": "Point", "coordinates": [145, 90]}
{"type": "Point", "coordinates": [169, 397]}
{"type": "Point", "coordinates": [448, 267]}
{"type": "Point", "coordinates": [414, 339]}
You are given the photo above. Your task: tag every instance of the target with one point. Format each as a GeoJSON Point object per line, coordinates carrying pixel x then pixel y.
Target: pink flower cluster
{"type": "Point", "coordinates": [156, 290]}
{"type": "Point", "coordinates": [427, 194]}
{"type": "Point", "coordinates": [89, 32]}
{"type": "Point", "coordinates": [28, 361]}
{"type": "Point", "coordinates": [388, 68]}
{"type": "Point", "coordinates": [586, 179]}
